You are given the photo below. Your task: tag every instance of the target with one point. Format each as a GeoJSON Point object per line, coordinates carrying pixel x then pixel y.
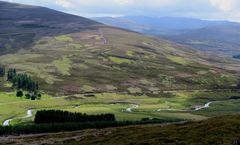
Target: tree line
{"type": "Point", "coordinates": [58, 116]}
{"type": "Point", "coordinates": [2, 71]}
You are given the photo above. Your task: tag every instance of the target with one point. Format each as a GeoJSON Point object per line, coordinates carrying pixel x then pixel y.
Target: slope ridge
{"type": "Point", "coordinates": [23, 24]}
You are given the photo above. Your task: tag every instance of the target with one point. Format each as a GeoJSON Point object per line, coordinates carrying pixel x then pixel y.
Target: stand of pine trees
{"type": "Point", "coordinates": [24, 82]}
{"type": "Point", "coordinates": [58, 116]}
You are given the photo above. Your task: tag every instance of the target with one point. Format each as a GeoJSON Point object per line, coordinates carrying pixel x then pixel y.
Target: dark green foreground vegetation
{"type": "Point", "coordinates": [49, 121]}
{"type": "Point", "coordinates": [215, 131]}
{"type": "Point", "coordinates": [71, 126]}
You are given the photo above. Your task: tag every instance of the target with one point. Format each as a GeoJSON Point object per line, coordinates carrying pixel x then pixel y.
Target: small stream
{"type": "Point", "coordinates": [134, 106]}
{"type": "Point", "coordinates": [207, 105]}
{"type": "Point", "coordinates": [7, 122]}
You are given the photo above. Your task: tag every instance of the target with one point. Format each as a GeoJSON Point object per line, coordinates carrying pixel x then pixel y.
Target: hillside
{"type": "Point", "coordinates": [72, 55]}
{"type": "Point", "coordinates": [210, 36]}
{"type": "Point", "coordinates": [222, 130]}
{"type": "Point", "coordinates": [61, 72]}
{"type": "Point", "coordinates": [84, 66]}
{"type": "Point", "coordinates": [112, 60]}
{"type": "Point", "coordinates": [223, 39]}
{"type": "Point", "coordinates": [23, 24]}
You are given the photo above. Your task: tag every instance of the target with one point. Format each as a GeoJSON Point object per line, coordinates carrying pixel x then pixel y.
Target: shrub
{"type": "Point", "coordinates": [19, 93]}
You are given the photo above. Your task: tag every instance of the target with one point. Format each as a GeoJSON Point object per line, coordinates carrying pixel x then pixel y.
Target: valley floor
{"type": "Point", "coordinates": [184, 105]}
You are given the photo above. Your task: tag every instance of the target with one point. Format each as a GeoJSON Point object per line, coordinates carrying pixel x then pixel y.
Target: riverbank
{"type": "Point", "coordinates": [29, 114]}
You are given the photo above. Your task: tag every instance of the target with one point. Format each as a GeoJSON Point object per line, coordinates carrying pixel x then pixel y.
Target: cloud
{"type": "Point", "coordinates": [125, 2]}
{"type": "Point", "coordinates": [226, 5]}
{"type": "Point", "coordinates": [205, 9]}
{"type": "Point", "coordinates": [227, 9]}
{"type": "Point", "coordinates": [64, 3]}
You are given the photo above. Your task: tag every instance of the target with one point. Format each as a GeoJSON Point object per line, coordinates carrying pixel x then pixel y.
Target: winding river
{"type": "Point", "coordinates": [203, 107]}
{"type": "Point", "coordinates": [130, 109]}
{"type": "Point", "coordinates": [207, 105]}
{"type": "Point", "coordinates": [7, 122]}
{"type": "Point", "coordinates": [133, 106]}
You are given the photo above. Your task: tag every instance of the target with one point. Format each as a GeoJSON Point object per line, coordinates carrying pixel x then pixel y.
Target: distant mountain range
{"type": "Point", "coordinates": [221, 37]}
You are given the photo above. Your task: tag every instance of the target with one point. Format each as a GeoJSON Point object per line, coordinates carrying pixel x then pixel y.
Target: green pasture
{"type": "Point", "coordinates": [12, 106]}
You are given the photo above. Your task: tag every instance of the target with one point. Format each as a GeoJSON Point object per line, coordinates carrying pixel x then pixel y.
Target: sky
{"type": "Point", "coordinates": [203, 9]}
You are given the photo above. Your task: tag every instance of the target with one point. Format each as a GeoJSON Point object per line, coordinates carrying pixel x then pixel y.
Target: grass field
{"type": "Point", "coordinates": [63, 66]}
{"type": "Point", "coordinates": [12, 107]}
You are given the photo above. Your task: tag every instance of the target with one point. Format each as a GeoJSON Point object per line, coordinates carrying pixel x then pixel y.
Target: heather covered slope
{"type": "Point", "coordinates": [221, 130]}
{"type": "Point", "coordinates": [107, 59]}
{"type": "Point", "coordinates": [71, 55]}
{"type": "Point", "coordinates": [21, 25]}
